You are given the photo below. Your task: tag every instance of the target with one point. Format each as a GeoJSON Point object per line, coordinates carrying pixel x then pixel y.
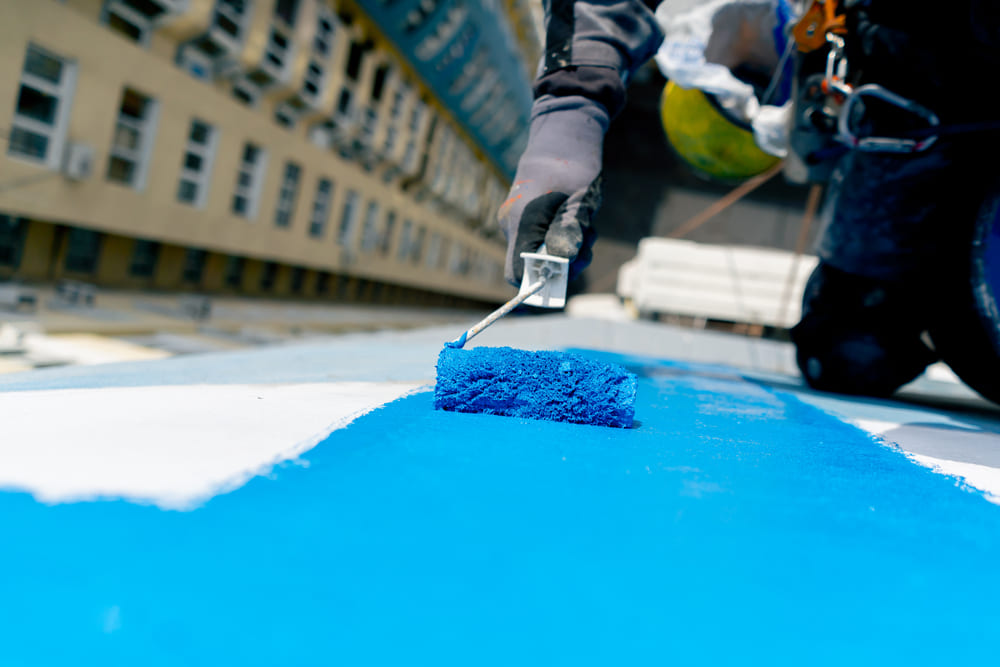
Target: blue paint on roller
{"type": "Point", "coordinates": [458, 344]}
{"type": "Point", "coordinates": [554, 386]}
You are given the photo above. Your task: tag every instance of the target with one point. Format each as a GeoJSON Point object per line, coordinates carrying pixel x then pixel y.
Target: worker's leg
{"type": "Point", "coordinates": [892, 226]}
{"type": "Point", "coordinates": [859, 335]}
{"type": "Point", "coordinates": [895, 224]}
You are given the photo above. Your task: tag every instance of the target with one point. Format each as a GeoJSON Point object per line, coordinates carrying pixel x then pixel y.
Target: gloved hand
{"type": "Point", "coordinates": [557, 187]}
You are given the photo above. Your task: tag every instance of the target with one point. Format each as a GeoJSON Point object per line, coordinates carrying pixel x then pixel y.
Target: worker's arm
{"type": "Point", "coordinates": [592, 47]}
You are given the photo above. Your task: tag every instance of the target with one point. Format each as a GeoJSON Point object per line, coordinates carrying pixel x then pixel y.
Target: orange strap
{"type": "Point", "coordinates": [821, 18]}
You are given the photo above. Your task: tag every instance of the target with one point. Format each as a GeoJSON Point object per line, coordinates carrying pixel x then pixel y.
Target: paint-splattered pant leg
{"type": "Point", "coordinates": [893, 225]}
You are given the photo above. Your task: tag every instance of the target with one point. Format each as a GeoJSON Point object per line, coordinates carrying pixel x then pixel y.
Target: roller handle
{"type": "Point", "coordinates": [460, 342]}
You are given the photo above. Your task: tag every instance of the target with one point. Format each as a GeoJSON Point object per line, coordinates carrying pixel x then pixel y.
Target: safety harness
{"type": "Point", "coordinates": [824, 25]}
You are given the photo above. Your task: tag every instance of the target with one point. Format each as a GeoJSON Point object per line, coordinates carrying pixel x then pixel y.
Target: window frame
{"type": "Point", "coordinates": [349, 213]}
{"type": "Point", "coordinates": [256, 172]}
{"type": "Point", "coordinates": [284, 210]}
{"type": "Point", "coordinates": [319, 218]}
{"type": "Point", "coordinates": [201, 177]}
{"type": "Point", "coordinates": [63, 92]}
{"type": "Point", "coordinates": [146, 129]}
{"type": "Point", "coordinates": [370, 227]}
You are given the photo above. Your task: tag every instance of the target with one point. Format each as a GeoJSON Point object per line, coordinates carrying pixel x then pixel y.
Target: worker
{"type": "Point", "coordinates": [892, 222]}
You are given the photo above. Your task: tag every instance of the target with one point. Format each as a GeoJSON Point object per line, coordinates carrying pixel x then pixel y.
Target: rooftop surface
{"type": "Point", "coordinates": [303, 503]}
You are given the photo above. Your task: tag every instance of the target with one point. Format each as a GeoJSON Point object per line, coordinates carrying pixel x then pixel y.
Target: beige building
{"type": "Point", "coordinates": [278, 147]}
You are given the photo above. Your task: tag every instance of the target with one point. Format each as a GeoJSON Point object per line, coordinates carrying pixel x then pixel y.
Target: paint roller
{"type": "Point", "coordinates": [555, 386]}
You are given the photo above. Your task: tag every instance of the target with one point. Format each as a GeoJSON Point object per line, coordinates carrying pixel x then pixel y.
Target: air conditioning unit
{"type": "Point", "coordinates": [78, 161]}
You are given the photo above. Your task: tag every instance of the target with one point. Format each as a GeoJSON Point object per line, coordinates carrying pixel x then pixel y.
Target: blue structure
{"type": "Point", "coordinates": [467, 54]}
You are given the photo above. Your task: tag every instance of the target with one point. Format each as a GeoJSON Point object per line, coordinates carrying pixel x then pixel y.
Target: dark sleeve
{"type": "Point", "coordinates": [592, 47]}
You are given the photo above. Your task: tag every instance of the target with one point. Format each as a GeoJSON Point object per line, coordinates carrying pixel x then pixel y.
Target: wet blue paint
{"type": "Point", "coordinates": [557, 386]}
{"type": "Point", "coordinates": [459, 343]}
{"type": "Point", "coordinates": [734, 525]}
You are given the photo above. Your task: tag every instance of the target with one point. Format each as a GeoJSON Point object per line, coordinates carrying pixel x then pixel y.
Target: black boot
{"type": "Point", "coordinates": [858, 335]}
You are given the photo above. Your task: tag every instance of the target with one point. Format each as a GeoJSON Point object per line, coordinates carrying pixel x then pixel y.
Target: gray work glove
{"type": "Point", "coordinates": [557, 187]}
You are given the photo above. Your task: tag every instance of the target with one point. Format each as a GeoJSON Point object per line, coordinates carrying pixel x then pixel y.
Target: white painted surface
{"type": "Point", "coordinates": [171, 446]}
{"type": "Point", "coordinates": [980, 477]}
{"type": "Point", "coordinates": [917, 437]}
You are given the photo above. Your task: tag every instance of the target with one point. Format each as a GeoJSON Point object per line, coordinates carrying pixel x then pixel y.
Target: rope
{"type": "Point", "coordinates": [725, 202]}
{"type": "Point", "coordinates": [812, 205]}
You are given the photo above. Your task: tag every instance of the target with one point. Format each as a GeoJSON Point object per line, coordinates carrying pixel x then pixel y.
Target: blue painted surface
{"type": "Point", "coordinates": [733, 525]}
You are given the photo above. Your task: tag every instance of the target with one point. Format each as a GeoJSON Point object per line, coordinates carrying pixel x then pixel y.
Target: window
{"type": "Point", "coordinates": [344, 102]}
{"type": "Point", "coordinates": [144, 256]}
{"type": "Point", "coordinates": [417, 248]}
{"type": "Point", "coordinates": [194, 265]}
{"type": "Point", "coordinates": [405, 240]}
{"type": "Point", "coordinates": [385, 243]}
{"type": "Point", "coordinates": [443, 33]}
{"type": "Point", "coordinates": [249, 181]}
{"type": "Point", "coordinates": [478, 93]}
{"type": "Point", "coordinates": [322, 282]}
{"type": "Point", "coordinates": [369, 235]}
{"type": "Point", "coordinates": [287, 196]}
{"type": "Point", "coordinates": [443, 256]}
{"type": "Point", "coordinates": [298, 279]}
{"type": "Point", "coordinates": [285, 115]}
{"type": "Point", "coordinates": [287, 10]}
{"type": "Point", "coordinates": [246, 92]}
{"type": "Point", "coordinates": [433, 251]}
{"type": "Point", "coordinates": [82, 250]}
{"type": "Point", "coordinates": [12, 233]}
{"type": "Point", "coordinates": [398, 97]}
{"type": "Point", "coordinates": [234, 272]}
{"type": "Point", "coordinates": [132, 143]}
{"type": "Point", "coordinates": [390, 139]}
{"type": "Point", "coordinates": [354, 58]}
{"type": "Point", "coordinates": [323, 41]}
{"type": "Point", "coordinates": [471, 70]}
{"type": "Point", "coordinates": [196, 166]}
{"type": "Point", "coordinates": [269, 276]}
{"type": "Point", "coordinates": [277, 50]}
{"type": "Point", "coordinates": [315, 81]}
{"type": "Point", "coordinates": [369, 123]}
{"type": "Point", "coordinates": [120, 22]}
{"type": "Point", "coordinates": [41, 114]}
{"type": "Point", "coordinates": [230, 16]}
{"type": "Point", "coordinates": [321, 208]}
{"type": "Point", "coordinates": [378, 83]}
{"type": "Point", "coordinates": [417, 16]}
{"type": "Point", "coordinates": [348, 219]}
{"type": "Point", "coordinates": [133, 18]}
{"type": "Point", "coordinates": [416, 116]}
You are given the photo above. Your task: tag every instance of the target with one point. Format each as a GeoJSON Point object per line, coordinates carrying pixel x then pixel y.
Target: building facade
{"type": "Point", "coordinates": [314, 148]}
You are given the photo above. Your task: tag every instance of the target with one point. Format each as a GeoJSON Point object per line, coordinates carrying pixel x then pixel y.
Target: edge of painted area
{"type": "Point", "coordinates": [174, 447]}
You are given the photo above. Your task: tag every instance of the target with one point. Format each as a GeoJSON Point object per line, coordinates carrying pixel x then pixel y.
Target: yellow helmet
{"type": "Point", "coordinates": [712, 141]}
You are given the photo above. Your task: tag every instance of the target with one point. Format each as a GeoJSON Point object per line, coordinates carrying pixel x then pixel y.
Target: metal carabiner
{"type": "Point", "coordinates": [846, 135]}
{"type": "Point", "coordinates": [835, 78]}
